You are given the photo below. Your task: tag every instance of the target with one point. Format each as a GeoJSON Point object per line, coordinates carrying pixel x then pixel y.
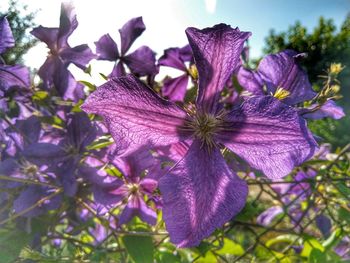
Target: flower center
{"type": "Point", "coordinates": [133, 189]}
{"type": "Point", "coordinates": [204, 127]}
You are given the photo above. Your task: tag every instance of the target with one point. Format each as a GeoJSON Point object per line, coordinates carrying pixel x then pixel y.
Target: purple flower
{"type": "Point", "coordinates": [109, 191]}
{"type": "Point", "coordinates": [201, 193]}
{"type": "Point", "coordinates": [278, 71]}
{"type": "Point", "coordinates": [10, 76]}
{"type": "Point", "coordinates": [54, 71]}
{"type": "Point", "coordinates": [140, 62]}
{"type": "Point", "coordinates": [175, 88]}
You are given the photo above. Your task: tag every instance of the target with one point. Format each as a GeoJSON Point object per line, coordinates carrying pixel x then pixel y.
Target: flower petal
{"type": "Point", "coordinates": [106, 48]}
{"type": "Point", "coordinates": [47, 35]}
{"type": "Point", "coordinates": [266, 217]}
{"type": "Point", "coordinates": [129, 32]}
{"type": "Point", "coordinates": [200, 194]}
{"type": "Point", "coordinates": [172, 58]}
{"type": "Point", "coordinates": [137, 207]}
{"type": "Point", "coordinates": [6, 37]}
{"type": "Point", "coordinates": [175, 89]}
{"type": "Point", "coordinates": [13, 76]}
{"type": "Point", "coordinates": [282, 71]}
{"type": "Point", "coordinates": [329, 109]}
{"type": "Point", "coordinates": [269, 135]}
{"type": "Point", "coordinates": [68, 23]}
{"type": "Point", "coordinates": [79, 55]}
{"type": "Point", "coordinates": [142, 61]}
{"type": "Point", "coordinates": [118, 70]}
{"type": "Point", "coordinates": [135, 115]}
{"type": "Point", "coordinates": [217, 53]}
{"type": "Point", "coordinates": [250, 81]}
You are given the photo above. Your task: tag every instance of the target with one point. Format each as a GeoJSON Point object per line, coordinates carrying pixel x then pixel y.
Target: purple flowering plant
{"type": "Point", "coordinates": [139, 170]}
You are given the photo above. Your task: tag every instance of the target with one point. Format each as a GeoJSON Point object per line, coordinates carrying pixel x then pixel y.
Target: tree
{"type": "Point", "coordinates": [20, 21]}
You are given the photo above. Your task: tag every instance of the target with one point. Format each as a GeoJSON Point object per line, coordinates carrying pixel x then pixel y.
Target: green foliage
{"type": "Point", "coordinates": [20, 21]}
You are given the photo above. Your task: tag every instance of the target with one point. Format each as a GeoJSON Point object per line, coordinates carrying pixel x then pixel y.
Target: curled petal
{"type": "Point", "coordinates": [269, 135]}
{"type": "Point", "coordinates": [200, 194]}
{"type": "Point", "coordinates": [106, 48]}
{"type": "Point", "coordinates": [135, 115]}
{"type": "Point", "coordinates": [217, 53]}
{"type": "Point", "coordinates": [142, 61]}
{"type": "Point", "coordinates": [129, 32]}
{"type": "Point", "coordinates": [6, 37]}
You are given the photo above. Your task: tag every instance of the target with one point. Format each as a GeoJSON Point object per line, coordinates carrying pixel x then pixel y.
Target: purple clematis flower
{"type": "Point", "coordinates": [278, 71]}
{"type": "Point", "coordinates": [110, 191]}
{"type": "Point", "coordinates": [10, 76]}
{"type": "Point", "coordinates": [201, 193]}
{"type": "Point", "coordinates": [54, 71]}
{"type": "Point", "coordinates": [175, 88]}
{"type": "Point", "coordinates": [141, 62]}
{"type": "Point", "coordinates": [281, 72]}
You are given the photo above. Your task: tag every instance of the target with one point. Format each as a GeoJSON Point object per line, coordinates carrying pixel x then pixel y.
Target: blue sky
{"type": "Point", "coordinates": [166, 20]}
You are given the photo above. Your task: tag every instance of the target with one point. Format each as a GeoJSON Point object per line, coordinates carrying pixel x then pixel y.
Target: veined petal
{"type": "Point", "coordinates": [282, 71]}
{"type": "Point", "coordinates": [269, 135]}
{"type": "Point", "coordinates": [6, 37]}
{"type": "Point", "coordinates": [142, 61]}
{"type": "Point", "coordinates": [129, 32]}
{"type": "Point", "coordinates": [200, 194]}
{"type": "Point", "coordinates": [137, 207]}
{"type": "Point", "coordinates": [217, 53]}
{"type": "Point", "coordinates": [13, 76]}
{"type": "Point", "coordinates": [175, 89]}
{"type": "Point", "coordinates": [68, 23]}
{"type": "Point", "coordinates": [106, 48]}
{"type": "Point", "coordinates": [135, 115]}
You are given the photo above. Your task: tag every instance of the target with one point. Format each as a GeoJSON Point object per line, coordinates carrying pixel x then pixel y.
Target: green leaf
{"type": "Point", "coordinates": [99, 144]}
{"type": "Point", "coordinates": [140, 248]}
{"type": "Point", "coordinates": [288, 238]}
{"type": "Point", "coordinates": [11, 244]}
{"type": "Point", "coordinates": [309, 245]}
{"type": "Point", "coordinates": [90, 86]}
{"type": "Point", "coordinates": [344, 214]}
{"type": "Point", "coordinates": [230, 247]}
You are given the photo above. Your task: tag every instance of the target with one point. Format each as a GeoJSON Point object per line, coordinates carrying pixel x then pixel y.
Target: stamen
{"type": "Point", "coordinates": [281, 93]}
{"type": "Point", "coordinates": [205, 126]}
